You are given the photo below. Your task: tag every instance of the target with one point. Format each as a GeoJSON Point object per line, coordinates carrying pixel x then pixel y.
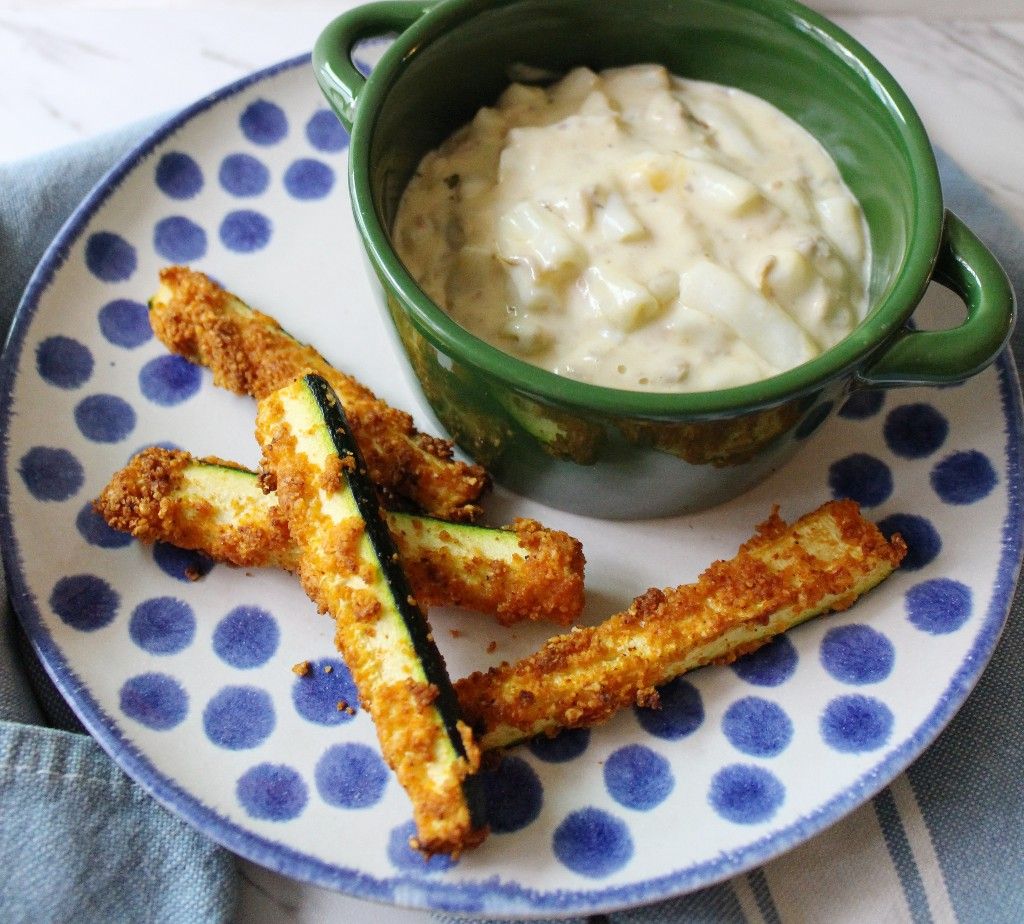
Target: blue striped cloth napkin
{"type": "Point", "coordinates": [79, 840]}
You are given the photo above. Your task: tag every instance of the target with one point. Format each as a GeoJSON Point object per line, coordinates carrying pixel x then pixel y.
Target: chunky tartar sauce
{"type": "Point", "coordinates": [639, 230]}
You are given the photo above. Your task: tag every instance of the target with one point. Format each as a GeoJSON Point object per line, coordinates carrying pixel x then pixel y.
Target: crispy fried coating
{"type": "Point", "coordinates": [249, 353]}
{"type": "Point", "coordinates": [780, 578]}
{"type": "Point", "coordinates": [541, 577]}
{"type": "Point", "coordinates": [383, 660]}
{"type": "Point", "coordinates": [523, 572]}
{"type": "Point", "coordinates": [152, 498]}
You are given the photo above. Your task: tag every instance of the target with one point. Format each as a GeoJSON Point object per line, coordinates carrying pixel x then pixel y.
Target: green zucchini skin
{"type": "Point", "coordinates": [250, 353]}
{"type": "Point", "coordinates": [521, 572]}
{"type": "Point", "coordinates": [387, 560]}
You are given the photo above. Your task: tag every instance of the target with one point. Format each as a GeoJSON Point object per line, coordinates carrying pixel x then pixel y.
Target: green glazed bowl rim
{"type": "Point", "coordinates": [882, 323]}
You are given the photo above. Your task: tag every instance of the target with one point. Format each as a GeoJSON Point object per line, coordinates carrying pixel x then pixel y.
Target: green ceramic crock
{"type": "Point", "coordinates": [620, 454]}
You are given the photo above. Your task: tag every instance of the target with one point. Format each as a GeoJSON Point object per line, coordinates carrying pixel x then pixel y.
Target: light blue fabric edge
{"type": "Point", "coordinates": [142, 863]}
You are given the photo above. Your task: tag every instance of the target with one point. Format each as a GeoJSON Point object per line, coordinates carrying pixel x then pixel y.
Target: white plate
{"type": "Point", "coordinates": [189, 686]}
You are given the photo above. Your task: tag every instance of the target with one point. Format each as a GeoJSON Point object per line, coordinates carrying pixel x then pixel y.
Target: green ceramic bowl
{"type": "Point", "coordinates": [622, 454]}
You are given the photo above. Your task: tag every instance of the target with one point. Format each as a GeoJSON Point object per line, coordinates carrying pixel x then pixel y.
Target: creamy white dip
{"type": "Point", "coordinates": [639, 230]}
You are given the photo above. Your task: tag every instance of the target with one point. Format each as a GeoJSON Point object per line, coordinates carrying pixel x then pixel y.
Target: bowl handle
{"type": "Point", "coordinates": [340, 80]}
{"type": "Point", "coordinates": [967, 267]}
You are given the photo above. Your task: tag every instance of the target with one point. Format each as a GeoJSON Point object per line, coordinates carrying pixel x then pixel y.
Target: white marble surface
{"type": "Point", "coordinates": [70, 69]}
{"type": "Point", "coordinates": [65, 68]}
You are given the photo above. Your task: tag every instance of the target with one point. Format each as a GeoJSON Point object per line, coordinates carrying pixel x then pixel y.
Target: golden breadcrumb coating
{"type": "Point", "coordinates": [781, 577]}
{"type": "Point", "coordinates": [383, 661]}
{"type": "Point", "coordinates": [145, 499]}
{"type": "Point", "coordinates": [785, 575]}
{"type": "Point", "coordinates": [168, 496]}
{"type": "Point", "coordinates": [249, 353]}
{"type": "Point", "coordinates": [542, 579]}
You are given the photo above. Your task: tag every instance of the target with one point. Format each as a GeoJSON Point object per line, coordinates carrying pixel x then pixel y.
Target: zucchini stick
{"type": "Point", "coordinates": [784, 576]}
{"type": "Point", "coordinates": [249, 353]}
{"type": "Point", "coordinates": [220, 509]}
{"type": "Point", "coordinates": [349, 567]}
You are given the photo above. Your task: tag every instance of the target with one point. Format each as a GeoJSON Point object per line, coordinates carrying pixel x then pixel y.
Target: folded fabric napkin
{"type": "Point", "coordinates": [79, 840]}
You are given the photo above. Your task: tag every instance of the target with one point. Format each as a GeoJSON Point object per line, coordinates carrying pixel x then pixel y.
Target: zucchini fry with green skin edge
{"type": "Point", "coordinates": [209, 505]}
{"type": "Point", "coordinates": [219, 508]}
{"type": "Point", "coordinates": [250, 353]}
{"type": "Point", "coordinates": [782, 577]}
{"type": "Point", "coordinates": [349, 567]}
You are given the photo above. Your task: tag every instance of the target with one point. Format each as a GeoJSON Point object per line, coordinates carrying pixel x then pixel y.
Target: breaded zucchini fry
{"type": "Point", "coordinates": [219, 508]}
{"type": "Point", "coordinates": [521, 572]}
{"type": "Point", "coordinates": [210, 505]}
{"type": "Point", "coordinates": [249, 353]}
{"type": "Point", "coordinates": [783, 576]}
{"type": "Point", "coordinates": [348, 565]}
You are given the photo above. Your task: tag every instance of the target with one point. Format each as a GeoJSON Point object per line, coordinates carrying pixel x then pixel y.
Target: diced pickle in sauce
{"type": "Point", "coordinates": [639, 230]}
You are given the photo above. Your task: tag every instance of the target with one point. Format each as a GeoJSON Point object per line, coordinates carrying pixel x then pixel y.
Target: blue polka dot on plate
{"type": "Point", "coordinates": [325, 132]}
{"type": "Point", "coordinates": [364, 67]}
{"type": "Point", "coordinates": [862, 405]}
{"type": "Point", "coordinates": [94, 530]}
{"type": "Point", "coordinates": [51, 474]}
{"type": "Point", "coordinates": [513, 794]}
{"type": "Point", "coordinates": [104, 418]}
{"type": "Point", "coordinates": [746, 794]}
{"type": "Point", "coordinates": [264, 122]}
{"type": "Point", "coordinates": [681, 712]}
{"type": "Point", "coordinates": [238, 718]}
{"type": "Point", "coordinates": [638, 778]}
{"type": "Point", "coordinates": [964, 477]}
{"type": "Point", "coordinates": [923, 540]}
{"type": "Point", "coordinates": [272, 792]}
{"type": "Point", "coordinates": [178, 175]}
{"type": "Point", "coordinates": [181, 564]}
{"type": "Point", "coordinates": [243, 175]}
{"type": "Point", "coordinates": [593, 843]}
{"type": "Point", "coordinates": [162, 625]}
{"type": "Point", "coordinates": [567, 745]}
{"type": "Point", "coordinates": [862, 478]}
{"type": "Point", "coordinates": [770, 665]}
{"type": "Point", "coordinates": [939, 606]}
{"type": "Point", "coordinates": [913, 431]}
{"type": "Point", "coordinates": [246, 637]}
{"type": "Point", "coordinates": [757, 727]}
{"type": "Point", "coordinates": [169, 380]}
{"type": "Point", "coordinates": [351, 776]}
{"type": "Point", "coordinates": [109, 257]}
{"type": "Point", "coordinates": [179, 239]}
{"type": "Point", "coordinates": [308, 179]}
{"type": "Point", "coordinates": [245, 231]}
{"type": "Point", "coordinates": [326, 694]}
{"type": "Point", "coordinates": [857, 654]}
{"type": "Point", "coordinates": [64, 362]}
{"type": "Point", "coordinates": [853, 724]}
{"type": "Point", "coordinates": [405, 857]}
{"type": "Point", "coordinates": [125, 323]}
{"type": "Point", "coordinates": [157, 701]}
{"type": "Point", "coordinates": [84, 602]}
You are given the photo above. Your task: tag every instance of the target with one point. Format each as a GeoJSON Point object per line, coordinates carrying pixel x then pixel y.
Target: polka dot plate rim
{"type": "Point", "coordinates": [593, 854]}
